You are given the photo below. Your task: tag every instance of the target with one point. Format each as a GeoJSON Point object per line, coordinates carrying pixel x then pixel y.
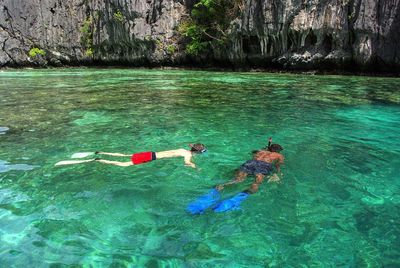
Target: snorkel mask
{"type": "Point", "coordinates": [198, 148]}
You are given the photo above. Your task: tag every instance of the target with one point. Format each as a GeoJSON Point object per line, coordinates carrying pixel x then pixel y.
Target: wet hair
{"type": "Point", "coordinates": [276, 148]}
{"type": "Point", "coordinates": [198, 148]}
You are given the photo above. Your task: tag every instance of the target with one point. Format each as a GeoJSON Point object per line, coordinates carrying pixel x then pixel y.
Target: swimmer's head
{"type": "Point", "coordinates": [276, 148]}
{"type": "Point", "coordinates": [198, 148]}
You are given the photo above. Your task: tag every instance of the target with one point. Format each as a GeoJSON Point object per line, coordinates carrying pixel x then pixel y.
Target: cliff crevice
{"type": "Point", "coordinates": [291, 34]}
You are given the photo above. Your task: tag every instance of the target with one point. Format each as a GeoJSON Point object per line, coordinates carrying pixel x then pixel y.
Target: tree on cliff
{"type": "Point", "coordinates": [208, 24]}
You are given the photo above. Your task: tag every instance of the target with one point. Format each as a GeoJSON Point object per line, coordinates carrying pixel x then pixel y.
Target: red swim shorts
{"type": "Point", "coordinates": [143, 157]}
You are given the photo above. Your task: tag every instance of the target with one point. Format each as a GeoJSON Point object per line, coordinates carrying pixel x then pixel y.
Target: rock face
{"type": "Point", "coordinates": [292, 34]}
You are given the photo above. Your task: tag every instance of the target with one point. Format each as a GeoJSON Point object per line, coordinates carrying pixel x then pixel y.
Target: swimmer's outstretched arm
{"type": "Point", "coordinates": [188, 161]}
{"type": "Point", "coordinates": [115, 163]}
{"type": "Point", "coordinates": [278, 162]}
{"type": "Point", "coordinates": [113, 154]}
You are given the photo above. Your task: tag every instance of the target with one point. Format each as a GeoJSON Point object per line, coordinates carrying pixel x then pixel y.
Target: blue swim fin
{"type": "Point", "coordinates": [203, 202]}
{"type": "Point", "coordinates": [232, 203]}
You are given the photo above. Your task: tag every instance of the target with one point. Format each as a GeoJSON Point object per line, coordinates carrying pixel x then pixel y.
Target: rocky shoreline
{"type": "Point", "coordinates": [341, 72]}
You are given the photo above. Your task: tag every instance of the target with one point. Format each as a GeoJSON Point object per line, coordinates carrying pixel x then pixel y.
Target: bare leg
{"type": "Point", "coordinates": [240, 176]}
{"type": "Point", "coordinates": [116, 163]}
{"type": "Point", "coordinates": [254, 187]}
{"type": "Point", "coordinates": [113, 154]}
{"type": "Point", "coordinates": [72, 162]}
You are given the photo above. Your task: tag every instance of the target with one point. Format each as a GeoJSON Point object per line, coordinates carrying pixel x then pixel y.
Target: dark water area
{"type": "Point", "coordinates": [338, 204]}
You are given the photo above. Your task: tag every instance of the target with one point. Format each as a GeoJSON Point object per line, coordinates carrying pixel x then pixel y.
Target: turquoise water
{"type": "Point", "coordinates": [337, 206]}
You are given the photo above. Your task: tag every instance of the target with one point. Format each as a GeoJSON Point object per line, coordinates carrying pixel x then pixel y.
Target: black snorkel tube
{"type": "Point", "coordinates": [269, 142]}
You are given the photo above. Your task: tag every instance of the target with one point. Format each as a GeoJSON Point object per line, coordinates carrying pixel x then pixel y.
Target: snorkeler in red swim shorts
{"type": "Point", "coordinates": [144, 157]}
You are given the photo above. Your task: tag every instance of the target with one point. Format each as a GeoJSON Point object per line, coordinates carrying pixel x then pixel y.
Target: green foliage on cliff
{"type": "Point", "coordinates": [194, 33]}
{"type": "Point", "coordinates": [171, 49]}
{"type": "Point", "coordinates": [33, 52]}
{"type": "Point", "coordinates": [87, 36]}
{"type": "Point", "coordinates": [118, 16]}
{"type": "Point", "coordinates": [89, 52]}
{"type": "Point", "coordinates": [86, 31]}
{"type": "Point", "coordinates": [209, 23]}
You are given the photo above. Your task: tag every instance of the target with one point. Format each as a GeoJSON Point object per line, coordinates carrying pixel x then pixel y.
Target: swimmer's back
{"type": "Point", "coordinates": [269, 157]}
{"type": "Point", "coordinates": [173, 153]}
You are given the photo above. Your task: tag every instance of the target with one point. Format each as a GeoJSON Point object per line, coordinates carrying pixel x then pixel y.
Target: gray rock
{"type": "Point", "coordinates": [291, 34]}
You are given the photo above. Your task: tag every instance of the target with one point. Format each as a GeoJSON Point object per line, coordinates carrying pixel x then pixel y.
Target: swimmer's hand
{"type": "Point", "coordinates": [274, 178]}
{"type": "Point", "coordinates": [190, 165]}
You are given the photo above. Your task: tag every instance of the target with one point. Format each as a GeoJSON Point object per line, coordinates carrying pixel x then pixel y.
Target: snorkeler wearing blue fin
{"type": "Point", "coordinates": [265, 162]}
{"type": "Point", "coordinates": [232, 203]}
{"type": "Point", "coordinates": [199, 205]}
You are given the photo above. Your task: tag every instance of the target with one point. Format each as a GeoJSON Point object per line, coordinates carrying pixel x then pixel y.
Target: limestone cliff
{"type": "Point", "coordinates": [291, 34]}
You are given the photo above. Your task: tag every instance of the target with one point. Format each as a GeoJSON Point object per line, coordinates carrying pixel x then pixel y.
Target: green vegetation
{"type": "Point", "coordinates": [171, 49]}
{"type": "Point", "coordinates": [118, 16]}
{"type": "Point", "coordinates": [209, 23]}
{"type": "Point", "coordinates": [163, 47]}
{"type": "Point", "coordinates": [33, 52]}
{"type": "Point", "coordinates": [158, 43]}
{"type": "Point", "coordinates": [89, 52]}
{"type": "Point", "coordinates": [87, 36]}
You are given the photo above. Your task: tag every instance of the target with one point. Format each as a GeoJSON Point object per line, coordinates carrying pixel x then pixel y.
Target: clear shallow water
{"type": "Point", "coordinates": [338, 205]}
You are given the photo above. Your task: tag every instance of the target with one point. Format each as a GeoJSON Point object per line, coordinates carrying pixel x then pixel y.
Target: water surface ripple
{"type": "Point", "coordinates": [338, 204]}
